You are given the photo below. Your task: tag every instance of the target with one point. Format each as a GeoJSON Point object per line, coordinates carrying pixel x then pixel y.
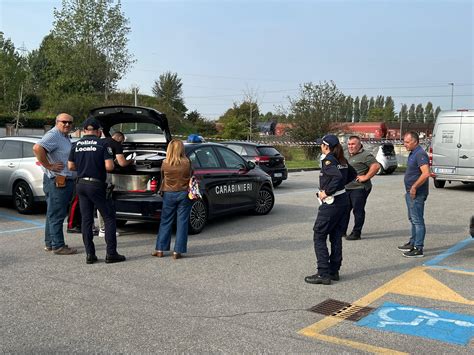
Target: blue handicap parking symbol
{"type": "Point", "coordinates": [423, 322]}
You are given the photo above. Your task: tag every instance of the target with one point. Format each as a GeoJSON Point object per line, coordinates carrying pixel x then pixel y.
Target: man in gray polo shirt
{"type": "Point", "coordinates": [358, 190]}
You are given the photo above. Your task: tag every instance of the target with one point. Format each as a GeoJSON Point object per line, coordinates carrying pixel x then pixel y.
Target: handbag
{"type": "Point", "coordinates": [193, 189]}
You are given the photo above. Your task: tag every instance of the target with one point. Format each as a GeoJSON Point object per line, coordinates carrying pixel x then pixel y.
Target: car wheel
{"type": "Point", "coordinates": [23, 197]}
{"type": "Point", "coordinates": [120, 222]}
{"type": "Point", "coordinates": [277, 183]}
{"type": "Point", "coordinates": [390, 171]}
{"type": "Point", "coordinates": [381, 171]}
{"type": "Point", "coordinates": [439, 184]}
{"type": "Point", "coordinates": [197, 217]}
{"type": "Point", "coordinates": [265, 201]}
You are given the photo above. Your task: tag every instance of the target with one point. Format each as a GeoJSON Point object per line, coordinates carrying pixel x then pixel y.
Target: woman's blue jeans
{"type": "Point", "coordinates": [416, 209]}
{"type": "Point", "coordinates": [174, 204]}
{"type": "Point", "coordinates": [57, 202]}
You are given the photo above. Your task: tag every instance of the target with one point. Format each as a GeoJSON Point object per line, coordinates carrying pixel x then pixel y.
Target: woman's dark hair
{"type": "Point", "coordinates": [338, 152]}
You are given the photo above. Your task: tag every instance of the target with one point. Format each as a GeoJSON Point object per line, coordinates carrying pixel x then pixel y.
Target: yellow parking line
{"type": "Point", "coordinates": [415, 282]}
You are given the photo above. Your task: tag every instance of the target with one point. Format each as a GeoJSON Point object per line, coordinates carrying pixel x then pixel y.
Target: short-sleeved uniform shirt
{"type": "Point", "coordinates": [116, 146]}
{"type": "Point", "coordinates": [416, 159]}
{"type": "Point", "coordinates": [361, 162]}
{"type": "Point", "coordinates": [57, 147]}
{"type": "Point", "coordinates": [89, 154]}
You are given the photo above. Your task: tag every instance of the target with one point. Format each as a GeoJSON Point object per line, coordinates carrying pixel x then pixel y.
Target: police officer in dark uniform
{"type": "Point", "coordinates": [92, 158]}
{"type": "Point", "coordinates": [335, 174]}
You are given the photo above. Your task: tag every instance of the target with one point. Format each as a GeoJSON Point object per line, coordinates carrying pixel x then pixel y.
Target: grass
{"type": "Point", "coordinates": [295, 159]}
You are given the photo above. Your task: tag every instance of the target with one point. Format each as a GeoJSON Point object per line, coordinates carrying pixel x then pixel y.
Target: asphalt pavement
{"type": "Point", "coordinates": [240, 288]}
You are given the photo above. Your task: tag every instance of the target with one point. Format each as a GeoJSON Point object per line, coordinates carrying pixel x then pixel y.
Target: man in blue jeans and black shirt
{"type": "Point", "coordinates": [416, 188]}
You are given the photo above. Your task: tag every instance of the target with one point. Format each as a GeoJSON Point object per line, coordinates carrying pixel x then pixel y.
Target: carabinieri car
{"type": "Point", "coordinates": [227, 182]}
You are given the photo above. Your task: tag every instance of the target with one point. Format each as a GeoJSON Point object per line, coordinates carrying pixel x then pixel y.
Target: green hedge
{"type": "Point", "coordinates": [27, 122]}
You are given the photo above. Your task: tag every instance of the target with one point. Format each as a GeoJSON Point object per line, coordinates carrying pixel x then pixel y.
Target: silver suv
{"type": "Point", "coordinates": [21, 177]}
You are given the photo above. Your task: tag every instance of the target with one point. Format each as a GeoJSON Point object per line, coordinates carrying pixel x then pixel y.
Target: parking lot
{"type": "Point", "coordinates": [240, 288]}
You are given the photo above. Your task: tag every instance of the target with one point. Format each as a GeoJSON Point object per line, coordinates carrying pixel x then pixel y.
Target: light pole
{"type": "Point", "coordinates": [401, 121]}
{"type": "Point", "coordinates": [452, 94]}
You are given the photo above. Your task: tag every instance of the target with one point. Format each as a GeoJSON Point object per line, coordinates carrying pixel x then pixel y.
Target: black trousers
{"type": "Point", "coordinates": [90, 195]}
{"type": "Point", "coordinates": [330, 222]}
{"type": "Point", "coordinates": [74, 219]}
{"type": "Point", "coordinates": [357, 199]}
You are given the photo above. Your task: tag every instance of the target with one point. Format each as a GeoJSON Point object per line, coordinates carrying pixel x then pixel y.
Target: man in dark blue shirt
{"type": "Point", "coordinates": [92, 158]}
{"type": "Point", "coordinates": [416, 191]}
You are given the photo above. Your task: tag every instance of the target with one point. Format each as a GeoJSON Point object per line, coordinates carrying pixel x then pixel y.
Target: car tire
{"type": "Point", "coordinates": [277, 183]}
{"type": "Point", "coordinates": [265, 201]}
{"type": "Point", "coordinates": [439, 184]}
{"type": "Point", "coordinates": [197, 217]}
{"type": "Point", "coordinates": [390, 171]}
{"type": "Point", "coordinates": [381, 171]}
{"type": "Point", "coordinates": [23, 197]}
{"type": "Point", "coordinates": [120, 222]}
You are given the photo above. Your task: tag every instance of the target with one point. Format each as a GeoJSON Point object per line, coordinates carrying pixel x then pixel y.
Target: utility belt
{"type": "Point", "coordinates": [340, 192]}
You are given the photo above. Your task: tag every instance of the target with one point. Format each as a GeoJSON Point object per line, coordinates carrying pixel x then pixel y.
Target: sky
{"type": "Point", "coordinates": [225, 51]}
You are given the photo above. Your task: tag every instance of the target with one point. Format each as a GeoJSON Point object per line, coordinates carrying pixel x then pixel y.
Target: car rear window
{"type": "Point", "coordinates": [271, 151]}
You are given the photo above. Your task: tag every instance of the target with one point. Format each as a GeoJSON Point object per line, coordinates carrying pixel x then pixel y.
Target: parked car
{"type": "Point", "coordinates": [227, 182]}
{"type": "Point", "coordinates": [21, 177]}
{"type": "Point", "coordinates": [266, 157]}
{"type": "Point", "coordinates": [385, 155]}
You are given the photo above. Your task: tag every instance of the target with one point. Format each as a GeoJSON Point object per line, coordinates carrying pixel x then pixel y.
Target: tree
{"type": "Point", "coordinates": [13, 73]}
{"type": "Point", "coordinates": [389, 110]}
{"type": "Point", "coordinates": [313, 111]}
{"type": "Point", "coordinates": [419, 114]}
{"type": "Point", "coordinates": [379, 101]}
{"type": "Point", "coordinates": [429, 114]}
{"type": "Point", "coordinates": [437, 111]}
{"type": "Point", "coordinates": [403, 113]}
{"type": "Point", "coordinates": [371, 103]}
{"type": "Point", "coordinates": [94, 29]}
{"type": "Point", "coordinates": [411, 114]}
{"type": "Point", "coordinates": [349, 108]}
{"type": "Point", "coordinates": [168, 90]}
{"type": "Point", "coordinates": [364, 108]}
{"type": "Point", "coordinates": [357, 109]}
{"type": "Point", "coordinates": [236, 120]}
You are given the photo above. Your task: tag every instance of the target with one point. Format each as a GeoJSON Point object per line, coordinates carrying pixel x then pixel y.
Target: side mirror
{"type": "Point", "coordinates": [251, 165]}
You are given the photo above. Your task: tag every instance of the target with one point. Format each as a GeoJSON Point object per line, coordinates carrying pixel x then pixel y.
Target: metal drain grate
{"type": "Point", "coordinates": [342, 310]}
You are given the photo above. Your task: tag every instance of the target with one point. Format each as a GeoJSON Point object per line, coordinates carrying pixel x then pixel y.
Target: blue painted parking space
{"type": "Point", "coordinates": [434, 324]}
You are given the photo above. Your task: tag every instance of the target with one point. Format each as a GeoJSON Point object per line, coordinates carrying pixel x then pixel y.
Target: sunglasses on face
{"type": "Point", "coordinates": [66, 122]}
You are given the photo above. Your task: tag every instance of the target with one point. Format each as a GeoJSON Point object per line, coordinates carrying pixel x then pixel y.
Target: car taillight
{"type": "Point", "coordinates": [430, 155]}
{"type": "Point", "coordinates": [262, 159]}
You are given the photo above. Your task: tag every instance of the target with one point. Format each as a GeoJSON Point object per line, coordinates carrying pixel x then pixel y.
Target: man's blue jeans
{"type": "Point", "coordinates": [57, 200]}
{"type": "Point", "coordinates": [416, 209]}
{"type": "Point", "coordinates": [174, 204]}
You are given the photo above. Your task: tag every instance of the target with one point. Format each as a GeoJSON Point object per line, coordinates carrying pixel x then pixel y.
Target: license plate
{"type": "Point", "coordinates": [278, 175]}
{"type": "Point", "coordinates": [444, 170]}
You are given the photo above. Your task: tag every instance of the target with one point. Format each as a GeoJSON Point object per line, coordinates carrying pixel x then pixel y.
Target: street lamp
{"type": "Point", "coordinates": [452, 94]}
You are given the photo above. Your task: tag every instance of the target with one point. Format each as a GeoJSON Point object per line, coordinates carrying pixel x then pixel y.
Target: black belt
{"type": "Point", "coordinates": [91, 181]}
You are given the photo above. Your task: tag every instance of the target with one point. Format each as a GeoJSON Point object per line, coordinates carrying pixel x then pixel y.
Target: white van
{"type": "Point", "coordinates": [452, 147]}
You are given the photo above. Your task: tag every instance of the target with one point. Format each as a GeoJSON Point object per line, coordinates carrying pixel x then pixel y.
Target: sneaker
{"type": "Point", "coordinates": [406, 247]}
{"type": "Point", "coordinates": [414, 253]}
{"type": "Point", "coordinates": [102, 233]}
{"type": "Point", "coordinates": [353, 236]}
{"type": "Point", "coordinates": [317, 279]}
{"type": "Point", "coordinates": [65, 250]}
{"type": "Point", "coordinates": [117, 258]}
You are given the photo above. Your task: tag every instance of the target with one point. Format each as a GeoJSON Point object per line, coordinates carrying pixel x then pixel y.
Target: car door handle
{"type": "Point", "coordinates": [464, 156]}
